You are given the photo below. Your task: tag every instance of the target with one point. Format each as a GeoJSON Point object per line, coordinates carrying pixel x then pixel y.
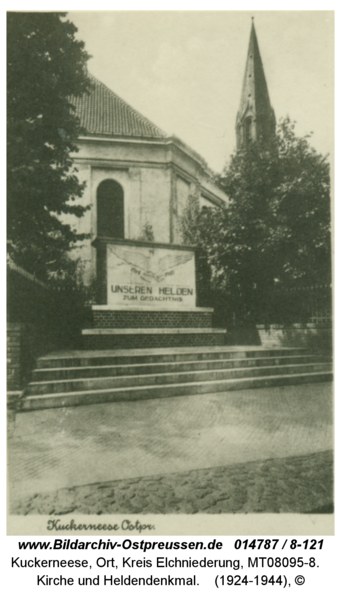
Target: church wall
{"type": "Point", "coordinates": [183, 189]}
{"type": "Point", "coordinates": [212, 193]}
{"type": "Point", "coordinates": [147, 195]}
{"type": "Point", "coordinates": [156, 178]}
{"type": "Point", "coordinates": [128, 151]}
{"type": "Point", "coordinates": [196, 174]}
{"type": "Point", "coordinates": [205, 202]}
{"type": "Point", "coordinates": [185, 165]}
{"type": "Point", "coordinates": [154, 206]}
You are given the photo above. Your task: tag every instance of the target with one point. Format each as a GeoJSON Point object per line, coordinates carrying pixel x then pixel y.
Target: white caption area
{"type": "Point", "coordinates": [128, 567]}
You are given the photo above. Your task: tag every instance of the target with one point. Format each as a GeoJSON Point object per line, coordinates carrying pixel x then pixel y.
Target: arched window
{"type": "Point", "coordinates": [110, 209]}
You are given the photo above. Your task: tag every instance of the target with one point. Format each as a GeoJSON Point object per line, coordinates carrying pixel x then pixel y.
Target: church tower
{"type": "Point", "coordinates": [256, 118]}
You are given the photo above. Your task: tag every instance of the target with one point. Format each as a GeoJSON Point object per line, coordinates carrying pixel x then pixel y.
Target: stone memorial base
{"type": "Point", "coordinates": [147, 296]}
{"type": "Point", "coordinates": [151, 328]}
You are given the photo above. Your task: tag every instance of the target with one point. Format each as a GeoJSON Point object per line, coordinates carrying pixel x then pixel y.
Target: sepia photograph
{"type": "Point", "coordinates": [169, 271]}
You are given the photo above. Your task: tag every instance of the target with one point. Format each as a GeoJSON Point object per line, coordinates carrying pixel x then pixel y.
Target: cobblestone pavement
{"type": "Point", "coordinates": [66, 450]}
{"type": "Point", "coordinates": [299, 485]}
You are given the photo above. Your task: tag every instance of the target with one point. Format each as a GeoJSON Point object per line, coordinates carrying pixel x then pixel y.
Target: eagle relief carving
{"type": "Point", "coordinates": [147, 265]}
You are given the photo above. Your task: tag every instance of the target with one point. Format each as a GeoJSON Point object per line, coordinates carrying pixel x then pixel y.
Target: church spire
{"type": "Point", "coordinates": [255, 118]}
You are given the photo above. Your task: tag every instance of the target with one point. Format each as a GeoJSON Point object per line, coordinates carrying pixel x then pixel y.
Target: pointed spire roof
{"type": "Point", "coordinates": [255, 99]}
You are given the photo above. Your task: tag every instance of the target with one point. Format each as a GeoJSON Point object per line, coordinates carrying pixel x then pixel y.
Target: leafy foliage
{"type": "Point", "coordinates": [45, 65]}
{"type": "Point", "coordinates": [70, 303]}
{"type": "Point", "coordinates": [275, 232]}
{"type": "Point", "coordinates": [147, 234]}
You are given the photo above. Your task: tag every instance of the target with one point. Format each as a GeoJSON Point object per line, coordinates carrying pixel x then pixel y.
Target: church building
{"type": "Point", "coordinates": [137, 177]}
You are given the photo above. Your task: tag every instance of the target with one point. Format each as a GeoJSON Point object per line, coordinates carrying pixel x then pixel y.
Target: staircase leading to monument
{"type": "Point", "coordinates": [91, 377]}
{"type": "Point", "coordinates": [149, 339]}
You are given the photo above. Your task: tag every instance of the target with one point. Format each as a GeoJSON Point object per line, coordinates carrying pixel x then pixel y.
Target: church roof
{"type": "Point", "coordinates": [102, 112]}
{"type": "Point", "coordinates": [255, 93]}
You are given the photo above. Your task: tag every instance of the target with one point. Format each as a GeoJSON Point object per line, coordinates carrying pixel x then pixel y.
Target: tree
{"type": "Point", "coordinates": [46, 65]}
{"type": "Point", "coordinates": [275, 232]}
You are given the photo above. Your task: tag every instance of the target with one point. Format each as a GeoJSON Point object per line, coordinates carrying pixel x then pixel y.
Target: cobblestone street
{"type": "Point", "coordinates": [267, 450]}
{"type": "Point", "coordinates": [300, 485]}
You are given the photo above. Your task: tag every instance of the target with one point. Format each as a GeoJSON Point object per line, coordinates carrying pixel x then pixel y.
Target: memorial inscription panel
{"type": "Point", "coordinates": [150, 277]}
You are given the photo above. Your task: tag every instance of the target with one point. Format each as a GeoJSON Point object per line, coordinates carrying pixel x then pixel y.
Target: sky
{"type": "Point", "coordinates": [184, 70]}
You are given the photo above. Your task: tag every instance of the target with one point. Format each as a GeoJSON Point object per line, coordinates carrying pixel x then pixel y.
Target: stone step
{"type": "Point", "coordinates": [150, 337]}
{"type": "Point", "coordinates": [83, 358]}
{"type": "Point", "coordinates": [106, 331]}
{"type": "Point", "coordinates": [102, 383]}
{"type": "Point", "coordinates": [59, 373]}
{"type": "Point", "coordinates": [166, 390]}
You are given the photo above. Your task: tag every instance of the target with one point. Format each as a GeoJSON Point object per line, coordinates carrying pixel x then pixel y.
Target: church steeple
{"type": "Point", "coordinates": [255, 118]}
